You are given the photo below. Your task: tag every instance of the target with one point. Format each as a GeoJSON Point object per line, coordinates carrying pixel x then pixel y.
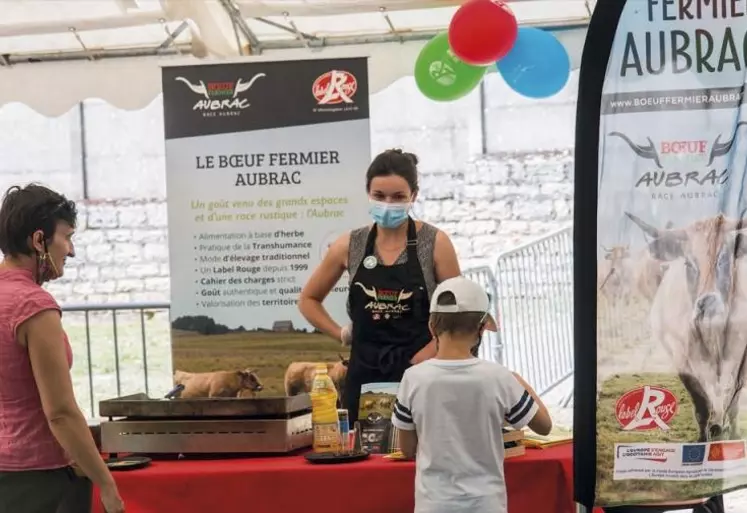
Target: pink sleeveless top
{"type": "Point", "coordinates": [26, 442]}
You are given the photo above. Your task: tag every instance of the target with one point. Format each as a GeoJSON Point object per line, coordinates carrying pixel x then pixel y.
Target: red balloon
{"type": "Point", "coordinates": [482, 31]}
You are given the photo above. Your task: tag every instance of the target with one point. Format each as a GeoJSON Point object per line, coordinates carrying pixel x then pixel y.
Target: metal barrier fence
{"type": "Point", "coordinates": [124, 348]}
{"type": "Point", "coordinates": [491, 347]}
{"type": "Point", "coordinates": [127, 346]}
{"type": "Point", "coordinates": [535, 304]}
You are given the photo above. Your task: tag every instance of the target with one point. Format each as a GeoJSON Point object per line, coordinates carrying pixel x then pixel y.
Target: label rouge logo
{"type": "Point", "coordinates": [335, 87]}
{"type": "Point", "coordinates": [646, 408]}
{"type": "Point", "coordinates": [220, 97]}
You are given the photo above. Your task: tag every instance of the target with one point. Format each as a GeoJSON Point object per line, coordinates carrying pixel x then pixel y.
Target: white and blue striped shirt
{"type": "Point", "coordinates": [458, 409]}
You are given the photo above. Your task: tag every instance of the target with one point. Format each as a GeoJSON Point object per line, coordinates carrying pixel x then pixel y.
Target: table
{"type": "Point", "coordinates": [539, 482]}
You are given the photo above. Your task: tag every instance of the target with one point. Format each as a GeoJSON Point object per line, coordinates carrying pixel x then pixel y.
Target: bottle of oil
{"type": "Point", "coordinates": [324, 412]}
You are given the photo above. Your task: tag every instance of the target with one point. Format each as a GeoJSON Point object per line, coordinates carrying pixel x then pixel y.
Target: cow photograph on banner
{"type": "Point", "coordinates": [671, 239]}
{"type": "Point", "coordinates": [265, 166]}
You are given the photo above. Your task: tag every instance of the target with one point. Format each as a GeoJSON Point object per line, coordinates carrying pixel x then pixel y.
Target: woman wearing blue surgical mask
{"type": "Point", "coordinates": [394, 266]}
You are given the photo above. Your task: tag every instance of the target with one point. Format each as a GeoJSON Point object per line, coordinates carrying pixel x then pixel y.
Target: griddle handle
{"type": "Point", "coordinates": [175, 392]}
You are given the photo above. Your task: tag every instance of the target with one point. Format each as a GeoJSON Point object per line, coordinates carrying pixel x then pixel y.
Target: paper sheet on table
{"type": "Point", "coordinates": [396, 456]}
{"type": "Point", "coordinates": [535, 441]}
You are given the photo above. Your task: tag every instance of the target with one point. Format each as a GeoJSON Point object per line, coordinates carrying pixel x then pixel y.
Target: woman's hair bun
{"type": "Point", "coordinates": [394, 161]}
{"type": "Point", "coordinates": [410, 156]}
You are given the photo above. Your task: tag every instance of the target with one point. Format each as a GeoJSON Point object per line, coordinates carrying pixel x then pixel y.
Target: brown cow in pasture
{"type": "Point", "coordinates": [299, 376]}
{"type": "Point", "coordinates": [648, 273]}
{"type": "Point", "coordinates": [386, 403]}
{"type": "Point", "coordinates": [699, 315]}
{"type": "Point", "coordinates": [615, 273]}
{"type": "Point", "coordinates": [242, 383]}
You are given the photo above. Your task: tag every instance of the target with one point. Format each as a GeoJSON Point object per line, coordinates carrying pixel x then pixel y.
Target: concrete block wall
{"type": "Point", "coordinates": [489, 192]}
{"type": "Point", "coordinates": [122, 254]}
{"type": "Point", "coordinates": [497, 203]}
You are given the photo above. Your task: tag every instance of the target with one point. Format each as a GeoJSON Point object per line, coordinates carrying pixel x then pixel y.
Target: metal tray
{"type": "Point", "coordinates": [193, 436]}
{"type": "Point", "coordinates": [142, 406]}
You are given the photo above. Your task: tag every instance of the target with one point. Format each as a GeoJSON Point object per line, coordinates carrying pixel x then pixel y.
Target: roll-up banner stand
{"type": "Point", "coordinates": [661, 327]}
{"type": "Point", "coordinates": [265, 168]}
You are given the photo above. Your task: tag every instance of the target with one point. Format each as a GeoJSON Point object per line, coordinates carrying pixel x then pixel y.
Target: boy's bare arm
{"type": "Point", "coordinates": [408, 443]}
{"type": "Point", "coordinates": [542, 422]}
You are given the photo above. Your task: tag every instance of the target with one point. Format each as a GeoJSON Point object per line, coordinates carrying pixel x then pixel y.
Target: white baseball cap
{"type": "Point", "coordinates": [470, 298]}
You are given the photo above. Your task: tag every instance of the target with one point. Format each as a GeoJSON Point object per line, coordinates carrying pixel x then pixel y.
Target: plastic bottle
{"type": "Point", "coordinates": [324, 412]}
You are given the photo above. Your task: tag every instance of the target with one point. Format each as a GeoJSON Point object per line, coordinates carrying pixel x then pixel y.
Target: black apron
{"type": "Point", "coordinates": [389, 308]}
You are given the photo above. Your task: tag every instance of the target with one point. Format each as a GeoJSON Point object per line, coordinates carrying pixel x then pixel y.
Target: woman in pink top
{"type": "Point", "coordinates": [42, 430]}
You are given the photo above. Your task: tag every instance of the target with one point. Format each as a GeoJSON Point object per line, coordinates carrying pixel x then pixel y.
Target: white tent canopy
{"type": "Point", "coordinates": [53, 54]}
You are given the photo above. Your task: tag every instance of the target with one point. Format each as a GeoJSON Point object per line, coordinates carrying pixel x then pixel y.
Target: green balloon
{"type": "Point", "coordinates": [441, 76]}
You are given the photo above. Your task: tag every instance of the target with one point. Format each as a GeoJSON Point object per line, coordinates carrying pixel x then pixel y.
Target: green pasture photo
{"type": "Point", "coordinates": [372, 402]}
{"type": "Point", "coordinates": [268, 353]}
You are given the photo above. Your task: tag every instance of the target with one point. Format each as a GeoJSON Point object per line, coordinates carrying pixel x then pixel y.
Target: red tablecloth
{"type": "Point", "coordinates": [539, 482]}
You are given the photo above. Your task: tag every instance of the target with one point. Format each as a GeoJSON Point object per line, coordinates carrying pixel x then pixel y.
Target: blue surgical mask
{"type": "Point", "coordinates": [389, 215]}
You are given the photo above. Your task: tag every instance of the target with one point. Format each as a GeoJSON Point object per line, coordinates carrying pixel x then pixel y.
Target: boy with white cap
{"type": "Point", "coordinates": [450, 410]}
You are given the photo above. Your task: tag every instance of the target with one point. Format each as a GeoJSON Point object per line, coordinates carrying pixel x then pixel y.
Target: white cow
{"type": "Point", "coordinates": [699, 314]}
{"type": "Point", "coordinates": [648, 273]}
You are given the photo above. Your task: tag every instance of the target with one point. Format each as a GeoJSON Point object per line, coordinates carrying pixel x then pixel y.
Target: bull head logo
{"type": "Point", "coordinates": [373, 294]}
{"type": "Point", "coordinates": [719, 149]}
{"type": "Point", "coordinates": [240, 87]}
{"type": "Point", "coordinates": [245, 86]}
{"type": "Point", "coordinates": [404, 295]}
{"type": "Point", "coordinates": [369, 292]}
{"type": "Point", "coordinates": [645, 152]}
{"type": "Point", "coordinates": [199, 88]}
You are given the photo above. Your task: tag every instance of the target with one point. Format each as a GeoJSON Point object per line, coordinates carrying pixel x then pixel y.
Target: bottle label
{"type": "Point", "coordinates": [326, 437]}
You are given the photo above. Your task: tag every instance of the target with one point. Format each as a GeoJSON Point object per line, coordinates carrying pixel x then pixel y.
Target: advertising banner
{"type": "Point", "coordinates": [265, 168]}
{"type": "Point", "coordinates": [671, 283]}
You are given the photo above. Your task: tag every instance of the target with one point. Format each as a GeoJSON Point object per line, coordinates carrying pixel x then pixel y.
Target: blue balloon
{"type": "Point", "coordinates": [537, 66]}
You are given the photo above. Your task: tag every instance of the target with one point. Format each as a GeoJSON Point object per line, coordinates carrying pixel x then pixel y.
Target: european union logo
{"type": "Point", "coordinates": [693, 454]}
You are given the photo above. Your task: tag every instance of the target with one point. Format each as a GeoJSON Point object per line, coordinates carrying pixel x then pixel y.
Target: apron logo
{"type": "Point", "coordinates": [369, 262]}
{"type": "Point", "coordinates": [385, 302]}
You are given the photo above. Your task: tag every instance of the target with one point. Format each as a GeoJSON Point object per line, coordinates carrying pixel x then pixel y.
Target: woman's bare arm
{"type": "Point", "coordinates": [42, 334]}
{"type": "Point", "coordinates": [319, 285]}
{"type": "Point", "coordinates": [445, 261]}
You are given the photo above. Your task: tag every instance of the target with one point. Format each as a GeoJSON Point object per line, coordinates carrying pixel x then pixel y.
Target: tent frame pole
{"type": "Point", "coordinates": [316, 43]}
